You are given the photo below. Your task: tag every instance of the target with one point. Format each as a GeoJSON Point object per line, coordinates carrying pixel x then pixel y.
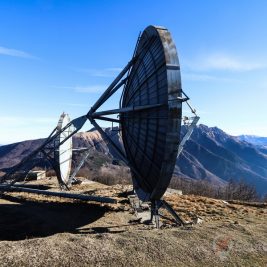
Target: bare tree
{"type": "Point", "coordinates": [233, 190]}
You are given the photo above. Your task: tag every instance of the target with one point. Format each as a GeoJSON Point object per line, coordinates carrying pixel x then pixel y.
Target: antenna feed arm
{"type": "Point", "coordinates": [183, 99]}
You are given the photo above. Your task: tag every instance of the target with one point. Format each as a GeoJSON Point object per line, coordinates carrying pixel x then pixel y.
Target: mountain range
{"type": "Point", "coordinates": [209, 154]}
{"type": "Point", "coordinates": [253, 139]}
{"type": "Point", "coordinates": [212, 154]}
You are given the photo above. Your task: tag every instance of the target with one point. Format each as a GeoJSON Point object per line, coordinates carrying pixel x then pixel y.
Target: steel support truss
{"type": "Point", "coordinates": [189, 122]}
{"type": "Point", "coordinates": [49, 145]}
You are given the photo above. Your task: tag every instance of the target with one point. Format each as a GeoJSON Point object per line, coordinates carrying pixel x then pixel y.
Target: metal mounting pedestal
{"type": "Point", "coordinates": [156, 215]}
{"type": "Point", "coordinates": [149, 212]}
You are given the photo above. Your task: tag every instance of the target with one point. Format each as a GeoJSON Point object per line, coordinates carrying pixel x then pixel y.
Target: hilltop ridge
{"type": "Point", "coordinates": [210, 154]}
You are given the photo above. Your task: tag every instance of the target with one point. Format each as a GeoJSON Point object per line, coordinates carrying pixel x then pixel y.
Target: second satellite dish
{"type": "Point", "coordinates": [63, 154]}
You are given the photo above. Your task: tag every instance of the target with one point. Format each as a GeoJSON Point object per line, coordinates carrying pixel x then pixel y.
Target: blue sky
{"type": "Point", "coordinates": [59, 56]}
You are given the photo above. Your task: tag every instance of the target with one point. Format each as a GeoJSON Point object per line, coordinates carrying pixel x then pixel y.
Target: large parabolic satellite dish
{"type": "Point", "coordinates": [149, 116]}
{"type": "Point", "coordinates": [151, 136]}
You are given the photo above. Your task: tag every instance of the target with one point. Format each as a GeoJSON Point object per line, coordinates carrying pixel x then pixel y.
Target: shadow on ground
{"type": "Point", "coordinates": [23, 219]}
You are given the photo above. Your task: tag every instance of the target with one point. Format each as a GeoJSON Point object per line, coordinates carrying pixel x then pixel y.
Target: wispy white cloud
{"type": "Point", "coordinates": [14, 53]}
{"type": "Point", "coordinates": [248, 129]}
{"type": "Point", "coordinates": [90, 89]}
{"type": "Point", "coordinates": [84, 89]}
{"type": "Point", "coordinates": [74, 104]}
{"type": "Point", "coordinates": [221, 61]}
{"type": "Point", "coordinates": [107, 72]}
{"type": "Point", "coordinates": [201, 77]}
{"type": "Point", "coordinates": [198, 77]}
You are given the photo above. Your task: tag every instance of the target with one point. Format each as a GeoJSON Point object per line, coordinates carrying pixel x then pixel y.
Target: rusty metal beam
{"type": "Point", "coordinates": [57, 194]}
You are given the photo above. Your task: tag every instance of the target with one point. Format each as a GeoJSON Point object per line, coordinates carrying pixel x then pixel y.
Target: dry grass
{"type": "Point", "coordinates": [232, 190]}
{"type": "Point", "coordinates": [191, 206]}
{"type": "Point", "coordinates": [59, 232]}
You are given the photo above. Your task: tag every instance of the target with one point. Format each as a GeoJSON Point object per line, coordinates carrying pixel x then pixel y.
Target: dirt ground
{"type": "Point", "coordinates": [38, 230]}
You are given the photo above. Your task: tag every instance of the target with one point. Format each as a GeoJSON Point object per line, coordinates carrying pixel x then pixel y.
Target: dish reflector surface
{"type": "Point", "coordinates": [151, 137]}
{"type": "Point", "coordinates": [64, 153]}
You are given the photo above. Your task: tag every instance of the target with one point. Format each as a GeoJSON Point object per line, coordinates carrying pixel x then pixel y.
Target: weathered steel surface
{"type": "Point", "coordinates": [151, 137]}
